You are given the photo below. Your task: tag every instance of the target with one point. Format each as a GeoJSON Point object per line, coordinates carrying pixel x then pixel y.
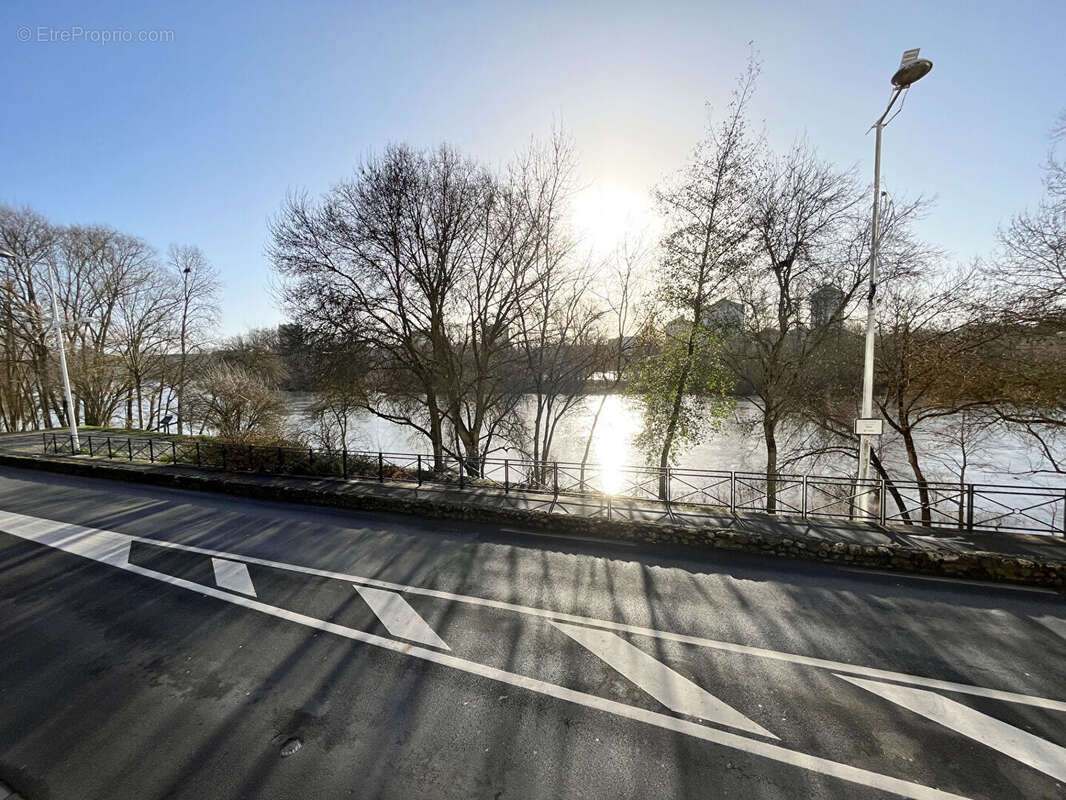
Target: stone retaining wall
{"type": "Point", "coordinates": [984, 566]}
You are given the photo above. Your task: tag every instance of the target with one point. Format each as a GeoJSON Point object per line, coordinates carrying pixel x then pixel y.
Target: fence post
{"type": "Point", "coordinates": [668, 485]}
{"type": "Point", "coordinates": [555, 479]}
{"type": "Point", "coordinates": [90, 438]}
{"type": "Point", "coordinates": [197, 453]}
{"type": "Point", "coordinates": [462, 473]}
{"type": "Point", "coordinates": [344, 462]}
{"type": "Point", "coordinates": [151, 452]}
{"type": "Point", "coordinates": [44, 441]}
{"type": "Point", "coordinates": [803, 502]}
{"type": "Point", "coordinates": [110, 454]}
{"type": "Point", "coordinates": [506, 475]}
{"type": "Point", "coordinates": [420, 469]}
{"type": "Point", "coordinates": [310, 459]}
{"type": "Point", "coordinates": [129, 446]}
{"type": "Point", "coordinates": [732, 492]}
{"type": "Point", "coordinates": [55, 451]}
{"type": "Point", "coordinates": [71, 444]}
{"type": "Point", "coordinates": [969, 506]}
{"type": "Point", "coordinates": [173, 452]}
{"type": "Point", "coordinates": [884, 502]}
{"type": "Point", "coordinates": [381, 468]}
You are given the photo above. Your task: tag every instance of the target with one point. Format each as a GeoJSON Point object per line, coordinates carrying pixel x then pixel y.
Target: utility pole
{"type": "Point", "coordinates": [911, 69]}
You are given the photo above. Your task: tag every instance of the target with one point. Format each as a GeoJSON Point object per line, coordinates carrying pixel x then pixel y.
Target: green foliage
{"type": "Point", "coordinates": [684, 391]}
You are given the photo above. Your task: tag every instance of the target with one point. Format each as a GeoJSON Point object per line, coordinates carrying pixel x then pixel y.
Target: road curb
{"type": "Point", "coordinates": [978, 566]}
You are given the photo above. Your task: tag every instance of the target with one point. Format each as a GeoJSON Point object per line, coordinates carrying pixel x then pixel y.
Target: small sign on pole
{"type": "Point", "coordinates": [909, 57]}
{"type": "Point", "coordinates": [869, 426]}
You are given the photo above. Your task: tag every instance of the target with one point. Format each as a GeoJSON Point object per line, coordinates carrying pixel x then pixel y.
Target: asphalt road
{"type": "Point", "coordinates": [166, 644]}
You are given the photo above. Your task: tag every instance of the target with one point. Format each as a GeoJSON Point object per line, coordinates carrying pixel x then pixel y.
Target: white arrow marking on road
{"type": "Point", "coordinates": [1016, 743]}
{"type": "Point", "coordinates": [399, 618]}
{"type": "Point", "coordinates": [233, 575]}
{"type": "Point", "coordinates": [107, 546]}
{"type": "Point", "coordinates": [1053, 624]}
{"type": "Point", "coordinates": [674, 691]}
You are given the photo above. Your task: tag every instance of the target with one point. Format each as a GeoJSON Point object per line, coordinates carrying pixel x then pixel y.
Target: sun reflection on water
{"type": "Point", "coordinates": [611, 444]}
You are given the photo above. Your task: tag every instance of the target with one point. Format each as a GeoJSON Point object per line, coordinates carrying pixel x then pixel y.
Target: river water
{"type": "Point", "coordinates": [1000, 457]}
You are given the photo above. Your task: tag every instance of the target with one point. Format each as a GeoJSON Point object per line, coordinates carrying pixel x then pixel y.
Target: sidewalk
{"type": "Point", "coordinates": [1012, 557]}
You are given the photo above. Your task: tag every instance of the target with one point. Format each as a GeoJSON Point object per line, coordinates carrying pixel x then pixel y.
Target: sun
{"type": "Point", "coordinates": [605, 214]}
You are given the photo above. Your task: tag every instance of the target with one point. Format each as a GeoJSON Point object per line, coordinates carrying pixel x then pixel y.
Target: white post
{"type": "Point", "coordinates": [75, 443]}
{"type": "Point", "coordinates": [866, 439]}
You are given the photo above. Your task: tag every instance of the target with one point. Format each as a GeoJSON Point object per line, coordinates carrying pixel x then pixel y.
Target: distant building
{"type": "Point", "coordinates": [724, 315]}
{"type": "Point", "coordinates": [826, 304]}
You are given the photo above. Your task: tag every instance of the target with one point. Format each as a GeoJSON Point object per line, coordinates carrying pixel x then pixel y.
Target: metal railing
{"type": "Point", "coordinates": [958, 506]}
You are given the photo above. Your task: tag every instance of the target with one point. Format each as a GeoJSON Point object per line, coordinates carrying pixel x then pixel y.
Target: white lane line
{"type": "Point", "coordinates": [730, 647]}
{"type": "Point", "coordinates": [399, 618]}
{"type": "Point", "coordinates": [1053, 624]}
{"type": "Point", "coordinates": [233, 575]}
{"type": "Point", "coordinates": [78, 535]}
{"type": "Point", "coordinates": [674, 691]}
{"type": "Point", "coordinates": [1014, 742]}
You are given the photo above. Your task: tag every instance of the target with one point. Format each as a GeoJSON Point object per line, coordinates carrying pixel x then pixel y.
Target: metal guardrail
{"type": "Point", "coordinates": [958, 506]}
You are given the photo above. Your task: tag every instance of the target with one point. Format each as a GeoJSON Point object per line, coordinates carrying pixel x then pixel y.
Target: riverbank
{"type": "Point", "coordinates": [999, 557]}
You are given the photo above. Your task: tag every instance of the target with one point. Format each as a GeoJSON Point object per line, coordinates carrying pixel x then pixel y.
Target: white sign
{"type": "Point", "coordinates": [869, 427]}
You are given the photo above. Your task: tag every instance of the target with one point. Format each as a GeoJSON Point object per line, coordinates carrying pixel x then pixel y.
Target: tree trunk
{"type": "Point", "coordinates": [891, 487]}
{"type": "Point", "coordinates": [436, 434]}
{"type": "Point", "coordinates": [919, 476]}
{"type": "Point", "coordinates": [769, 430]}
{"type": "Point", "coordinates": [671, 427]}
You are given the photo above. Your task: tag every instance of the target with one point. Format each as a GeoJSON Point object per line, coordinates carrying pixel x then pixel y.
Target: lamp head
{"type": "Point", "coordinates": [911, 72]}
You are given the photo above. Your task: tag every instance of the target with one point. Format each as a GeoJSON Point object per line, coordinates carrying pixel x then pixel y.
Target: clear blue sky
{"type": "Point", "coordinates": [197, 140]}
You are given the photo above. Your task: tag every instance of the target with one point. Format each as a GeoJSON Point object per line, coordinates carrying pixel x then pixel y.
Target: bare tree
{"type": "Point", "coordinates": [29, 385]}
{"type": "Point", "coordinates": [424, 258]}
{"type": "Point", "coordinates": [97, 268]}
{"type": "Point", "coordinates": [555, 326]}
{"type": "Point", "coordinates": [238, 404]}
{"type": "Point", "coordinates": [624, 295]}
{"type": "Point", "coordinates": [197, 312]}
{"type": "Point", "coordinates": [805, 217]}
{"type": "Point", "coordinates": [145, 335]}
{"type": "Point", "coordinates": [932, 358]}
{"type": "Point", "coordinates": [1030, 276]}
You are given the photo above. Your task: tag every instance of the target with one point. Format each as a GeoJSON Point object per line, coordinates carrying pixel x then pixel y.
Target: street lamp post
{"type": "Point", "coordinates": [911, 69]}
{"type": "Point", "coordinates": [75, 443]}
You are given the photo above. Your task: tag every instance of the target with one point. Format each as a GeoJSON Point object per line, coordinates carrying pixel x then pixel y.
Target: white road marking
{"type": "Point", "coordinates": [674, 691]}
{"type": "Point", "coordinates": [1016, 743]}
{"type": "Point", "coordinates": [232, 575]}
{"type": "Point", "coordinates": [399, 618]}
{"type": "Point", "coordinates": [89, 542]}
{"type": "Point", "coordinates": [104, 546]}
{"type": "Point", "coordinates": [731, 647]}
{"type": "Point", "coordinates": [1053, 624]}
